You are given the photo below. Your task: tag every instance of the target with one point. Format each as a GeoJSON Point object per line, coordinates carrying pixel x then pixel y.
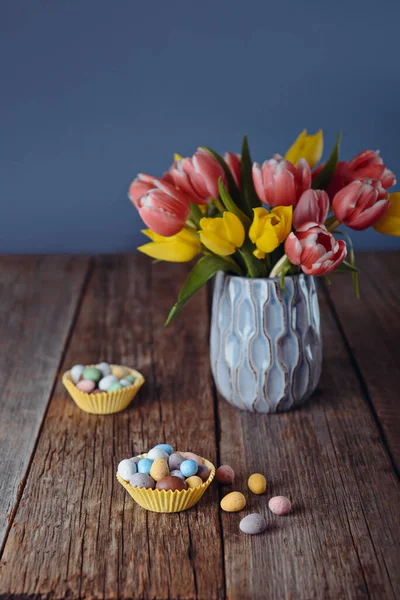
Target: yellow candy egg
{"type": "Point", "coordinates": [257, 483]}
{"type": "Point", "coordinates": [194, 481]}
{"type": "Point", "coordinates": [120, 372]}
{"type": "Point", "coordinates": [233, 502]}
{"type": "Point", "coordinates": [159, 469]}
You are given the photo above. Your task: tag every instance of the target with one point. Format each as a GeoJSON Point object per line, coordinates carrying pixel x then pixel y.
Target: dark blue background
{"type": "Point", "coordinates": [93, 92]}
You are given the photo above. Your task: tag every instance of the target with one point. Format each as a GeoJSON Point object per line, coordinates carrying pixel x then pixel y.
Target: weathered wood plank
{"type": "Point", "coordinates": [77, 533]}
{"type": "Point", "coordinates": [341, 539]}
{"type": "Point", "coordinates": [372, 330]}
{"type": "Point", "coordinates": [38, 299]}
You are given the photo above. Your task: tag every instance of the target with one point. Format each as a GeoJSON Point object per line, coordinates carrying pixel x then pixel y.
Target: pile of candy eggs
{"type": "Point", "coordinates": [163, 469]}
{"type": "Point", "coordinates": [101, 378]}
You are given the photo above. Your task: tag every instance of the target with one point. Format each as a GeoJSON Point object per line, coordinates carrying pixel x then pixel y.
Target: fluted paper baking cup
{"type": "Point", "coordinates": [105, 403]}
{"type": "Point", "coordinates": [163, 501]}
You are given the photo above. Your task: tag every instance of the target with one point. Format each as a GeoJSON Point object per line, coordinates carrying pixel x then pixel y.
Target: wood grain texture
{"type": "Point", "coordinates": [77, 532]}
{"type": "Point", "coordinates": [372, 331]}
{"type": "Point", "coordinates": [342, 538]}
{"type": "Point", "coordinates": [38, 299]}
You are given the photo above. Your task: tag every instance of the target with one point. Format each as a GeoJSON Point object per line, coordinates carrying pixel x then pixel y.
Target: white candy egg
{"type": "Point", "coordinates": [125, 382]}
{"type": "Point", "coordinates": [76, 372]}
{"type": "Point", "coordinates": [126, 469]}
{"type": "Point", "coordinates": [104, 368]}
{"type": "Point", "coordinates": [157, 453]}
{"type": "Point", "coordinates": [105, 382]}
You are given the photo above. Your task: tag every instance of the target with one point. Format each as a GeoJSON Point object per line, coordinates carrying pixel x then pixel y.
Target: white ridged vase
{"type": "Point", "coordinates": [266, 345]}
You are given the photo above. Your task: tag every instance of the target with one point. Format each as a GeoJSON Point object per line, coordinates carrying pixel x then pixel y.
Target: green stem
{"type": "Point", "coordinates": [283, 263]}
{"type": "Point", "coordinates": [333, 225]}
{"type": "Point", "coordinates": [195, 214]}
{"type": "Point", "coordinates": [218, 205]}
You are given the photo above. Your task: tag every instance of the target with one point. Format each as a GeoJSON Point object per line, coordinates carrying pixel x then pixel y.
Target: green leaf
{"type": "Point", "coordinates": [323, 179]}
{"type": "Point", "coordinates": [229, 178]}
{"type": "Point", "coordinates": [351, 263]}
{"type": "Point", "coordinates": [195, 214]}
{"type": "Point", "coordinates": [203, 270]}
{"type": "Point", "coordinates": [230, 204]}
{"type": "Point", "coordinates": [248, 189]}
{"type": "Point", "coordinates": [346, 267]}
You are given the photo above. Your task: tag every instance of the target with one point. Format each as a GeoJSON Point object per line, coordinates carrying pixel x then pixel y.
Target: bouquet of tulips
{"type": "Point", "coordinates": [277, 219]}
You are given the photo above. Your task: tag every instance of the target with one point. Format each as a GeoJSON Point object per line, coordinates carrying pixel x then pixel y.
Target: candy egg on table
{"type": "Point", "coordinates": [142, 480]}
{"type": "Point", "coordinates": [193, 456]}
{"type": "Point", "coordinates": [76, 372]}
{"type": "Point", "coordinates": [166, 447]}
{"type": "Point", "coordinates": [177, 473]}
{"type": "Point", "coordinates": [257, 483]}
{"type": "Point", "coordinates": [203, 472]}
{"type": "Point", "coordinates": [189, 467]}
{"type": "Point", "coordinates": [92, 373]}
{"type": "Point", "coordinates": [175, 461]}
{"type": "Point", "coordinates": [233, 502]}
{"type": "Point", "coordinates": [194, 481]}
{"type": "Point", "coordinates": [171, 483]}
{"type": "Point", "coordinates": [159, 469]}
{"type": "Point", "coordinates": [105, 368]}
{"type": "Point", "coordinates": [86, 385]}
{"type": "Point", "coordinates": [280, 505]}
{"type": "Point", "coordinates": [144, 465]}
{"type": "Point", "coordinates": [253, 524]}
{"type": "Point", "coordinates": [120, 372]}
{"type": "Point", "coordinates": [114, 387]}
{"type": "Point", "coordinates": [157, 453]}
{"type": "Point", "coordinates": [106, 382]}
{"type": "Point", "coordinates": [126, 469]}
{"type": "Point", "coordinates": [225, 475]}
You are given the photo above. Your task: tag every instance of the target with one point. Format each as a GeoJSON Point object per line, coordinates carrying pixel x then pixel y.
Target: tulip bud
{"type": "Point", "coordinates": [360, 204]}
{"type": "Point", "coordinates": [279, 183]}
{"type": "Point", "coordinates": [198, 176]}
{"type": "Point", "coordinates": [312, 206]}
{"type": "Point", "coordinates": [164, 208]}
{"type": "Point", "coordinates": [234, 162]}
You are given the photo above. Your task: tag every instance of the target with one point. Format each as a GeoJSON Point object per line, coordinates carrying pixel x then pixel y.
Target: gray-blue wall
{"type": "Point", "coordinates": [94, 91]}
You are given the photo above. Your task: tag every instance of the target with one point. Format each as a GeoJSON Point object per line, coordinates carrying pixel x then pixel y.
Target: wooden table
{"type": "Point", "coordinates": [68, 529]}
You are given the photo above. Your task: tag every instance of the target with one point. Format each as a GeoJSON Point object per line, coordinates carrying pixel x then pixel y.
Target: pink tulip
{"type": "Point", "coordinates": [198, 176]}
{"type": "Point", "coordinates": [164, 208]}
{"type": "Point", "coordinates": [279, 183]}
{"type": "Point", "coordinates": [361, 203]}
{"type": "Point", "coordinates": [139, 186]}
{"type": "Point", "coordinates": [312, 206]}
{"type": "Point", "coordinates": [315, 249]}
{"type": "Point", "coordinates": [234, 162]}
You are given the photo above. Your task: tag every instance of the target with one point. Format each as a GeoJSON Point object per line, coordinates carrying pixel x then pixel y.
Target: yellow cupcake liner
{"type": "Point", "coordinates": [163, 501]}
{"type": "Point", "coordinates": [105, 403]}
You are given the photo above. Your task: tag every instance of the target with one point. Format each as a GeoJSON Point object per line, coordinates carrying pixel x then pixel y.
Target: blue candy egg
{"type": "Point", "coordinates": [189, 468]}
{"type": "Point", "coordinates": [144, 465]}
{"type": "Point", "coordinates": [166, 447]}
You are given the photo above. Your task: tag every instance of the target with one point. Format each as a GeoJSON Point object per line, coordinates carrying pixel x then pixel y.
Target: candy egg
{"type": "Point", "coordinates": [159, 469]}
{"type": "Point", "coordinates": [144, 465]}
{"type": "Point", "coordinates": [76, 372]}
{"type": "Point", "coordinates": [225, 475]}
{"type": "Point", "coordinates": [203, 472]}
{"type": "Point", "coordinates": [157, 453]}
{"type": "Point", "coordinates": [257, 483]}
{"type": "Point", "coordinates": [194, 481]}
{"type": "Point", "coordinates": [106, 381]}
{"type": "Point", "coordinates": [233, 502]}
{"type": "Point", "coordinates": [177, 473]}
{"type": "Point", "coordinates": [280, 505]}
{"type": "Point", "coordinates": [142, 480]}
{"type": "Point", "coordinates": [253, 524]}
{"type": "Point", "coordinates": [92, 373]}
{"type": "Point", "coordinates": [86, 385]}
{"type": "Point", "coordinates": [166, 447]}
{"type": "Point", "coordinates": [175, 461]}
{"type": "Point", "coordinates": [114, 386]}
{"type": "Point", "coordinates": [105, 368]}
{"type": "Point", "coordinates": [124, 382]}
{"type": "Point", "coordinates": [130, 378]}
{"type": "Point", "coordinates": [120, 372]}
{"type": "Point", "coordinates": [192, 456]}
{"type": "Point", "coordinates": [171, 483]}
{"type": "Point", "coordinates": [126, 468]}
{"type": "Point", "coordinates": [189, 468]}
{"type": "Point", "coordinates": [136, 459]}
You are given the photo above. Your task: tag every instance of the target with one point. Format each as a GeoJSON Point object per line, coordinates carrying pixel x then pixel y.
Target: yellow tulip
{"type": "Point", "coordinates": [177, 157]}
{"type": "Point", "coordinates": [389, 223]}
{"type": "Point", "coordinates": [222, 235]}
{"type": "Point", "coordinates": [269, 229]}
{"type": "Point", "coordinates": [182, 247]}
{"type": "Point", "coordinates": [306, 146]}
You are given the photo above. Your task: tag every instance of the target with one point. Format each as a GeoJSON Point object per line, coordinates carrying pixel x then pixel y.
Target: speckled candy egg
{"type": "Point", "coordinates": [92, 373]}
{"type": "Point", "coordinates": [115, 386]}
{"type": "Point", "coordinates": [105, 382]}
{"type": "Point", "coordinates": [194, 481]}
{"type": "Point", "coordinates": [225, 475]}
{"type": "Point", "coordinates": [76, 372]}
{"type": "Point", "coordinates": [175, 461]}
{"type": "Point", "coordinates": [233, 502]}
{"type": "Point", "coordinates": [159, 469]}
{"type": "Point", "coordinates": [157, 453]}
{"type": "Point", "coordinates": [86, 385]}
{"type": "Point", "coordinates": [126, 468]}
{"type": "Point", "coordinates": [171, 483]}
{"type": "Point", "coordinates": [257, 483]}
{"type": "Point", "coordinates": [192, 456]}
{"type": "Point", "coordinates": [166, 447]}
{"type": "Point", "coordinates": [105, 368]}
{"type": "Point", "coordinates": [253, 524]}
{"type": "Point", "coordinates": [189, 468]}
{"type": "Point", "coordinates": [280, 505]}
{"type": "Point", "coordinates": [144, 465]}
{"type": "Point", "coordinates": [120, 372]}
{"type": "Point", "coordinates": [142, 480]}
{"type": "Point", "coordinates": [203, 472]}
{"type": "Point", "coordinates": [177, 473]}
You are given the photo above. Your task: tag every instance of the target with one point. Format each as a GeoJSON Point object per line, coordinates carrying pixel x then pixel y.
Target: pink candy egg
{"type": "Point", "coordinates": [86, 385]}
{"type": "Point", "coordinates": [280, 505]}
{"type": "Point", "coordinates": [192, 456]}
{"type": "Point", "coordinates": [225, 474]}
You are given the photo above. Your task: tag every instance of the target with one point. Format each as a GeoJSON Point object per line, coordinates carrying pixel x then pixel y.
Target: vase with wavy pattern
{"type": "Point", "coordinates": [266, 345]}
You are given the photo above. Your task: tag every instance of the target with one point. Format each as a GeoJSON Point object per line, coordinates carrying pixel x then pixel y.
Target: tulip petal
{"type": "Point", "coordinates": [309, 147]}
{"type": "Point", "coordinates": [389, 223]}
{"type": "Point", "coordinates": [293, 249]}
{"type": "Point", "coordinates": [234, 229]}
{"type": "Point", "coordinates": [216, 244]}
